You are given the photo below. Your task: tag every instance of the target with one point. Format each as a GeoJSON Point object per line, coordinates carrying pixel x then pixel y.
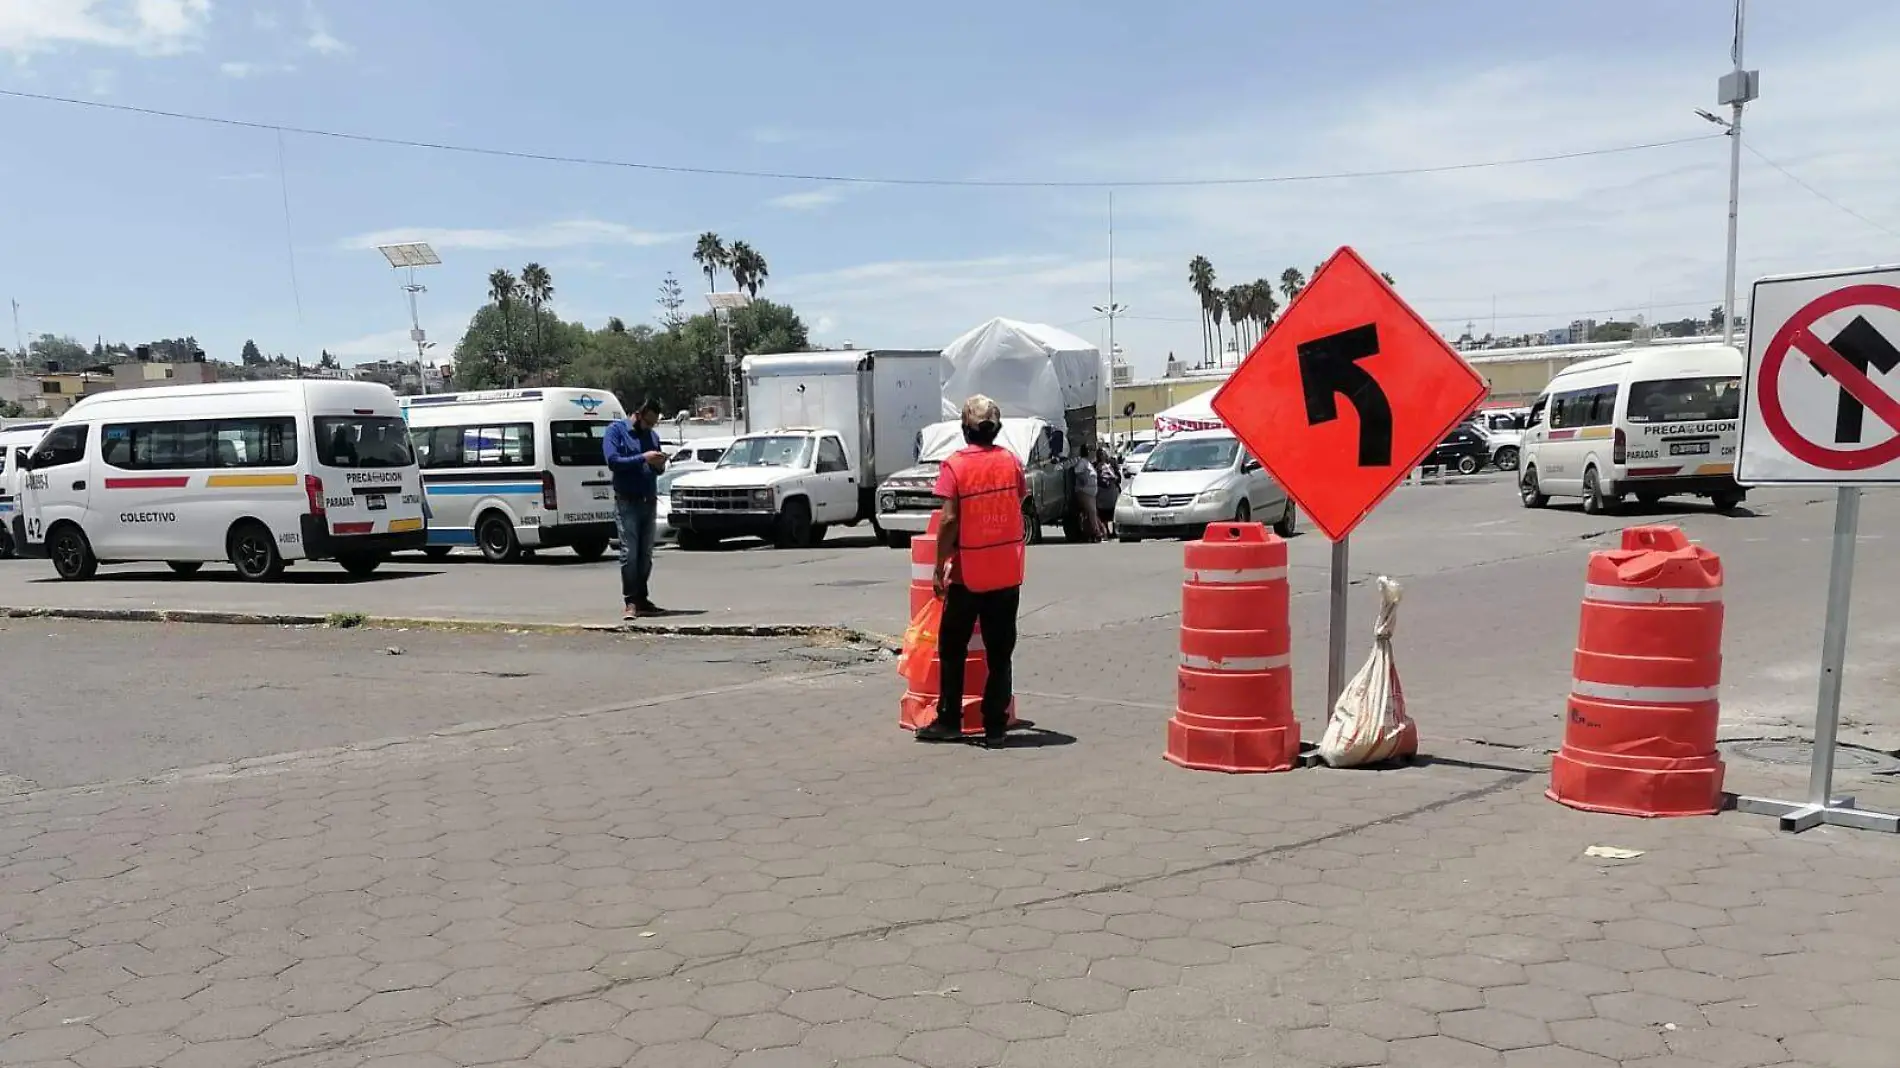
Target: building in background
{"type": "Point", "coordinates": [60, 390]}
{"type": "Point", "coordinates": [147, 373]}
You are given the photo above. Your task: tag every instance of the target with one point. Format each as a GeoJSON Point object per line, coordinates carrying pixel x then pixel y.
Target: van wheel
{"type": "Point", "coordinates": [6, 544]}
{"type": "Point", "coordinates": [1287, 523]}
{"type": "Point", "coordinates": [695, 542]}
{"type": "Point", "coordinates": [71, 553]}
{"type": "Point", "coordinates": [1649, 498]}
{"type": "Point", "coordinates": [1726, 502]}
{"type": "Point", "coordinates": [185, 567]}
{"type": "Point", "coordinates": [362, 565]}
{"type": "Point", "coordinates": [495, 536]}
{"type": "Point", "coordinates": [1595, 501]}
{"type": "Point", "coordinates": [897, 539]}
{"type": "Point", "coordinates": [591, 550]}
{"type": "Point", "coordinates": [1529, 492]}
{"type": "Point", "coordinates": [1468, 465]}
{"type": "Point", "coordinates": [1506, 459]}
{"type": "Point", "coordinates": [254, 552]}
{"type": "Point", "coordinates": [794, 526]}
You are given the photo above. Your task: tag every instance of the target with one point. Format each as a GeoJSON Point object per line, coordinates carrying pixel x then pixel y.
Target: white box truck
{"type": "Point", "coordinates": [823, 429]}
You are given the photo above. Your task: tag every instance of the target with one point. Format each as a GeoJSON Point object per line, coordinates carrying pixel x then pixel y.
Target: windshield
{"type": "Point", "coordinates": [1685, 400]}
{"type": "Point", "coordinates": [665, 482]}
{"type": "Point", "coordinates": [362, 441]}
{"type": "Point", "coordinates": [1142, 448]}
{"type": "Point", "coordinates": [768, 450]}
{"type": "Point", "coordinates": [578, 442]}
{"type": "Point", "coordinates": [1200, 454]}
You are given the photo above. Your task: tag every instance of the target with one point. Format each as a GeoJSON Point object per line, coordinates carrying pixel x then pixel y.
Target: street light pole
{"type": "Point", "coordinates": [1112, 310]}
{"type": "Point", "coordinates": [1735, 89]}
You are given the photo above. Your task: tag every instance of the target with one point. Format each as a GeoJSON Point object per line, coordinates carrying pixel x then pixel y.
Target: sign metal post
{"type": "Point", "coordinates": [1336, 629]}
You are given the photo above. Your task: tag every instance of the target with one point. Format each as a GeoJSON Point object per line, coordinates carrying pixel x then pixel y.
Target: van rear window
{"type": "Point", "coordinates": [1685, 400]}
{"type": "Point", "coordinates": [579, 442]}
{"type": "Point", "coordinates": [362, 441]}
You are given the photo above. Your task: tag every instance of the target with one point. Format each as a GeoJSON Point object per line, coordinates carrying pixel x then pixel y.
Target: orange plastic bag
{"type": "Point", "coordinates": [920, 642]}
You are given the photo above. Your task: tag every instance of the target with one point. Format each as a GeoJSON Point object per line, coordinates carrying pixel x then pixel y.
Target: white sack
{"type": "Point", "coordinates": [1369, 724]}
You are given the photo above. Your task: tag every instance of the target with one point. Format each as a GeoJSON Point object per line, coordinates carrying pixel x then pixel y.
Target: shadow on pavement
{"type": "Point", "coordinates": [213, 578]}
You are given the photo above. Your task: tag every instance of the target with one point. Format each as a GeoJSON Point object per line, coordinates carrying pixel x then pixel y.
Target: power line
{"type": "Point", "coordinates": [849, 179]}
{"type": "Point", "coordinates": [1796, 179]}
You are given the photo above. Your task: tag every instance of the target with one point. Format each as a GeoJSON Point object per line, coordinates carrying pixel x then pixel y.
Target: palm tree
{"type": "Point", "coordinates": [710, 253]}
{"type": "Point", "coordinates": [538, 287]}
{"type": "Point", "coordinates": [1236, 300]}
{"type": "Point", "coordinates": [748, 268]}
{"type": "Point", "coordinates": [1291, 282]}
{"type": "Point", "coordinates": [501, 290]}
{"type": "Point", "coordinates": [1388, 278]}
{"type": "Point", "coordinates": [1201, 280]}
{"type": "Point", "coordinates": [1263, 306]}
{"type": "Point", "coordinates": [616, 325]}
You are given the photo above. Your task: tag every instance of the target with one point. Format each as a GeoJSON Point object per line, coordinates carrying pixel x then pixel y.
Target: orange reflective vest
{"type": "Point", "coordinates": [989, 484]}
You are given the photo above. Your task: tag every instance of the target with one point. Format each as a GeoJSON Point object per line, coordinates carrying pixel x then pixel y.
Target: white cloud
{"type": "Point", "coordinates": [320, 39]}
{"type": "Point", "coordinates": [809, 200]}
{"type": "Point", "coordinates": [571, 233]}
{"type": "Point", "coordinates": [158, 27]}
{"type": "Point", "coordinates": [100, 82]}
{"type": "Point", "coordinates": [242, 69]}
{"type": "Point", "coordinates": [243, 176]}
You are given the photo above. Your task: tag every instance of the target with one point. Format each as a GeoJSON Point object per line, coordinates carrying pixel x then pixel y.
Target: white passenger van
{"type": "Point", "coordinates": [509, 471]}
{"type": "Point", "coordinates": [1649, 422]}
{"type": "Point", "coordinates": [15, 442]}
{"type": "Point", "coordinates": [255, 473]}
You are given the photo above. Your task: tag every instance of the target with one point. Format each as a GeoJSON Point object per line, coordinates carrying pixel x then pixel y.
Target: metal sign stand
{"type": "Point", "coordinates": [1336, 630]}
{"type": "Point", "coordinates": [1822, 807]}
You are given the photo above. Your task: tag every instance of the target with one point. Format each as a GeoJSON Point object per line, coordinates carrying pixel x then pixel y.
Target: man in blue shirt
{"type": "Point", "coordinates": [632, 452]}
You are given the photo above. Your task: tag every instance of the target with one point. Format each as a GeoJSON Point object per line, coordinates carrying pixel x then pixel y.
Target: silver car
{"type": "Point", "coordinates": [1197, 478]}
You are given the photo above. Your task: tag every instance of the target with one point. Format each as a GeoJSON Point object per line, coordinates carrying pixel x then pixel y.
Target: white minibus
{"type": "Point", "coordinates": [1646, 422]}
{"type": "Point", "coordinates": [16, 441]}
{"type": "Point", "coordinates": [509, 471]}
{"type": "Point", "coordinates": [255, 473]}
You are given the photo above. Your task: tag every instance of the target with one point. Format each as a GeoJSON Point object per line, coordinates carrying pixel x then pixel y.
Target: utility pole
{"type": "Point", "coordinates": [1734, 89]}
{"type": "Point", "coordinates": [1112, 310]}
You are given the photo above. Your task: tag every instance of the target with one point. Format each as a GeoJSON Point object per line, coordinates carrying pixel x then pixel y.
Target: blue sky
{"type": "Point", "coordinates": [137, 227]}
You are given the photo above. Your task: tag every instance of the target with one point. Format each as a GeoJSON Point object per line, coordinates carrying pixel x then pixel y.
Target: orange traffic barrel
{"type": "Point", "coordinates": [918, 707]}
{"type": "Point", "coordinates": [1639, 736]}
{"type": "Point", "coordinates": [1234, 686]}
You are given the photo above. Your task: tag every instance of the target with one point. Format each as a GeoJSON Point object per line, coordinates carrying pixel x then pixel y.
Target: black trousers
{"type": "Point", "coordinates": [962, 611]}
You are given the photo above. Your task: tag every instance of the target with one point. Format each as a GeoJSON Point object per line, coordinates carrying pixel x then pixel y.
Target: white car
{"type": "Point", "coordinates": [697, 454]}
{"type": "Point", "coordinates": [1197, 478]}
{"type": "Point", "coordinates": [1137, 458]}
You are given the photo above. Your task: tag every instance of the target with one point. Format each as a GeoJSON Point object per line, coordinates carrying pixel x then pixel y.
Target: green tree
{"type": "Point", "coordinates": [1716, 316]}
{"type": "Point", "coordinates": [671, 300]}
{"type": "Point", "coordinates": [1613, 331]}
{"type": "Point", "coordinates": [252, 356]}
{"type": "Point", "coordinates": [710, 253]}
{"type": "Point", "coordinates": [1262, 304]}
{"type": "Point", "coordinates": [483, 358]}
{"type": "Point", "coordinates": [675, 367]}
{"type": "Point", "coordinates": [502, 287]}
{"type": "Point", "coordinates": [748, 268]}
{"type": "Point", "coordinates": [327, 360]}
{"type": "Point", "coordinates": [1235, 297]}
{"type": "Point", "coordinates": [1201, 280]}
{"type": "Point", "coordinates": [68, 353]}
{"type": "Point", "coordinates": [1291, 282]}
{"type": "Point", "coordinates": [538, 286]}
{"type": "Point", "coordinates": [616, 325]}
{"type": "Point", "coordinates": [11, 409]}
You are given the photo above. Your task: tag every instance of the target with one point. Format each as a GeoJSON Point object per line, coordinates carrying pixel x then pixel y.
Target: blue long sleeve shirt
{"type": "Point", "coordinates": [625, 450]}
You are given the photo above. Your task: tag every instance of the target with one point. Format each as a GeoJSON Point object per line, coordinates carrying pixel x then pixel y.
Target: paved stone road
{"type": "Point", "coordinates": [773, 875]}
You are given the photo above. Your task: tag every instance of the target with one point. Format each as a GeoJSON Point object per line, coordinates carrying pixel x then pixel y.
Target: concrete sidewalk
{"type": "Point", "coordinates": [776, 876]}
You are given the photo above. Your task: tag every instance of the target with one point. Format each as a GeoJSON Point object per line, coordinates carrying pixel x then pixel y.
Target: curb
{"type": "Point", "coordinates": [822, 632]}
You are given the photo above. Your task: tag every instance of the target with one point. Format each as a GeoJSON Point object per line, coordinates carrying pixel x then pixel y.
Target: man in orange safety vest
{"type": "Point", "coordinates": [979, 573]}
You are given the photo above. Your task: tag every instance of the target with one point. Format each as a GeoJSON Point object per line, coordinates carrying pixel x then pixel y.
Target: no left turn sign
{"type": "Point", "coordinates": [1821, 406]}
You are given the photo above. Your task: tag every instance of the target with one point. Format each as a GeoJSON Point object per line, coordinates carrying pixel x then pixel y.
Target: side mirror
{"type": "Point", "coordinates": [1250, 466]}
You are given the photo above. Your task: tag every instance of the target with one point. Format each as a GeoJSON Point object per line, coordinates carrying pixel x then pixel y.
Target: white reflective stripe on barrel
{"type": "Point", "coordinates": [1235, 663]}
{"type": "Point", "coordinates": [1651, 595]}
{"type": "Point", "coordinates": [1234, 576]}
{"type": "Point", "coordinates": [923, 572]}
{"type": "Point", "coordinates": [1654, 695]}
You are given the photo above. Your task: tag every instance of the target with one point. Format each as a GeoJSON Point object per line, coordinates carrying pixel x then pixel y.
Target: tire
{"type": "Point", "coordinates": [1595, 501]}
{"type": "Point", "coordinates": [254, 552]}
{"type": "Point", "coordinates": [1468, 465]}
{"type": "Point", "coordinates": [1243, 513]}
{"type": "Point", "coordinates": [71, 553]}
{"type": "Point", "coordinates": [1032, 525]}
{"type": "Point", "coordinates": [184, 567]}
{"type": "Point", "coordinates": [1529, 492]}
{"type": "Point", "coordinates": [818, 532]}
{"type": "Point", "coordinates": [1288, 522]}
{"type": "Point", "coordinates": [1506, 459]}
{"type": "Point", "coordinates": [437, 552]}
{"type": "Point", "coordinates": [591, 550]}
{"type": "Point", "coordinates": [1649, 498]}
{"type": "Point", "coordinates": [6, 544]}
{"type": "Point", "coordinates": [495, 537]}
{"type": "Point", "coordinates": [1726, 502]}
{"type": "Point", "coordinates": [794, 526]}
{"type": "Point", "coordinates": [362, 565]}
{"type": "Point", "coordinates": [1128, 539]}
{"type": "Point", "coordinates": [695, 542]}
{"type": "Point", "coordinates": [897, 539]}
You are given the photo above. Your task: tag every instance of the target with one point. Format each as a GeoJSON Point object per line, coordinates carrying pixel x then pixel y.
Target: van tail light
{"type": "Point", "coordinates": [549, 500]}
{"type": "Point", "coordinates": [313, 494]}
{"type": "Point", "coordinates": [1619, 451]}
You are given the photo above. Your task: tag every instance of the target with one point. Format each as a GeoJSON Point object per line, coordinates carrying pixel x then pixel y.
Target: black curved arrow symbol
{"type": "Point", "coordinates": [1329, 368]}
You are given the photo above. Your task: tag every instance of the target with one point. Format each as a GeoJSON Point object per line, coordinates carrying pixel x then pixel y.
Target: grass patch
{"type": "Point", "coordinates": [344, 620]}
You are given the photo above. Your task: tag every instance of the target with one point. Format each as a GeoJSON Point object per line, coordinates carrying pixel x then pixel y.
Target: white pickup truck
{"type": "Point", "coordinates": [787, 486]}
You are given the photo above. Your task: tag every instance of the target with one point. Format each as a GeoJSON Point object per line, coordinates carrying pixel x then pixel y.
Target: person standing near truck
{"type": "Point", "coordinates": [979, 572]}
{"type": "Point", "coordinates": [633, 453]}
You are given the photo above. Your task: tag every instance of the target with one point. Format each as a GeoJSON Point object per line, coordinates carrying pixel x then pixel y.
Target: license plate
{"type": "Point", "coordinates": [600, 494]}
{"type": "Point", "coordinates": [376, 501]}
{"type": "Point", "coordinates": [1162, 519]}
{"type": "Point", "coordinates": [1689, 448]}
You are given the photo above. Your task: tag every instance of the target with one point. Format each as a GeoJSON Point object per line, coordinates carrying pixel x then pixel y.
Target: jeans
{"type": "Point", "coordinates": [962, 611]}
{"type": "Point", "coordinates": [634, 516]}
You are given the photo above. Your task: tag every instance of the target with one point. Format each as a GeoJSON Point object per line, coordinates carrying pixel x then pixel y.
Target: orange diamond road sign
{"type": "Point", "coordinates": [1348, 392]}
